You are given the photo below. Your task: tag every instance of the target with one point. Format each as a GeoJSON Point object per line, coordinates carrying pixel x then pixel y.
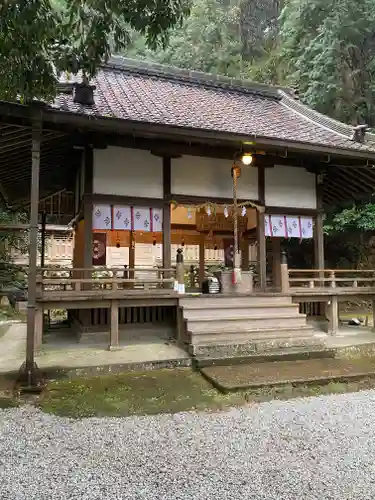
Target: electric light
{"type": "Point", "coordinates": [247, 158]}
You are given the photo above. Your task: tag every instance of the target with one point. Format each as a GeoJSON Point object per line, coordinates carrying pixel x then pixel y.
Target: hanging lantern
{"type": "Point", "coordinates": [208, 210]}
{"type": "Point", "coordinates": [243, 211]}
{"type": "Point", "coordinates": [189, 214]}
{"type": "Point", "coordinates": [226, 213]}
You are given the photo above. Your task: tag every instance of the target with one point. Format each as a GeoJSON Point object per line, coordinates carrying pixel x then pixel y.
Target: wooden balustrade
{"type": "Point", "coordinates": [331, 278]}
{"type": "Point", "coordinates": [84, 281]}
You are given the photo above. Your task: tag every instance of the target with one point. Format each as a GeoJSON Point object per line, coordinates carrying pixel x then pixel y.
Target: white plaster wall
{"type": "Point", "coordinates": [210, 177]}
{"type": "Point", "coordinates": [127, 172]}
{"type": "Point", "coordinates": [289, 187]}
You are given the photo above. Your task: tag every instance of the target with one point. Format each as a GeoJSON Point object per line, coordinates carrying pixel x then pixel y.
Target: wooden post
{"type": "Point", "coordinates": [333, 315]}
{"type": "Point", "coordinates": [245, 253]}
{"type": "Point", "coordinates": [39, 327]}
{"type": "Point", "coordinates": [261, 237]}
{"type": "Point", "coordinates": [373, 315]}
{"type": "Point", "coordinates": [167, 238]}
{"type": "Point", "coordinates": [114, 327]}
{"type": "Point", "coordinates": [284, 273]}
{"type": "Point", "coordinates": [201, 260]}
{"type": "Point", "coordinates": [262, 256]}
{"type": "Point", "coordinates": [43, 240]}
{"type": "Point", "coordinates": [131, 272]}
{"type": "Point", "coordinates": [88, 207]}
{"type": "Point", "coordinates": [276, 262]}
{"type": "Point", "coordinates": [29, 368]}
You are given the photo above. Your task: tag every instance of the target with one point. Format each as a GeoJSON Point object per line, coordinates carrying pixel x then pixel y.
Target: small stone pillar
{"type": "Point", "coordinates": [284, 272]}
{"type": "Point", "coordinates": [180, 272]}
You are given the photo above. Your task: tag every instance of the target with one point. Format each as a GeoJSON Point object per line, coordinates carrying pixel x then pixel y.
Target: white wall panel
{"type": "Point", "coordinates": [290, 187]}
{"type": "Point", "coordinates": [128, 172]}
{"type": "Point", "coordinates": [211, 177]}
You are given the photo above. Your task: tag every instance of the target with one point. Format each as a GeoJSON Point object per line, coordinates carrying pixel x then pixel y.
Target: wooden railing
{"type": "Point", "coordinates": [331, 278]}
{"type": "Point", "coordinates": [80, 281]}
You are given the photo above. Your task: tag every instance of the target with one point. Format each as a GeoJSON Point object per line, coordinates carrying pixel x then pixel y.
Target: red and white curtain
{"type": "Point", "coordinates": [287, 226]}
{"type": "Point", "coordinates": [128, 218]}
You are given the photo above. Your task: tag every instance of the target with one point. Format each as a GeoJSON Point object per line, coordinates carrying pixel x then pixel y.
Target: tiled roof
{"type": "Point", "coordinates": [140, 92]}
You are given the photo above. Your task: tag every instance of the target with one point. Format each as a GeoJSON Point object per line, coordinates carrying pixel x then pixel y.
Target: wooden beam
{"type": "Point", "coordinates": [127, 200]}
{"type": "Point", "coordinates": [290, 211]}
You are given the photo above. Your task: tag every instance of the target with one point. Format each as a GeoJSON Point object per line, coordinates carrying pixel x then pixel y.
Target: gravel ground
{"type": "Point", "coordinates": [319, 448]}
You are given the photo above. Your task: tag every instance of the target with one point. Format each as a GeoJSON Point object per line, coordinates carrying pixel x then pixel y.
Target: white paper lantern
{"type": "Point", "coordinates": [226, 214]}
{"type": "Point", "coordinates": [243, 211]}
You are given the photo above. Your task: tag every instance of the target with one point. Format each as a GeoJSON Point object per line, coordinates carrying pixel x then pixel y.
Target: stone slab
{"type": "Point", "coordinates": [256, 375]}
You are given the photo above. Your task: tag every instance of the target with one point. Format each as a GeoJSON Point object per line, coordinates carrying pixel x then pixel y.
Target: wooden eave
{"type": "Point", "coordinates": [348, 174]}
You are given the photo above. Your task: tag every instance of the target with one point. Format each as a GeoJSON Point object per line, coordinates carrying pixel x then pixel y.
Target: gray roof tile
{"type": "Point", "coordinates": [129, 90]}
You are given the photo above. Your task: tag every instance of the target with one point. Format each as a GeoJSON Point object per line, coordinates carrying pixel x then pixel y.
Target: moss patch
{"type": "Point", "coordinates": [158, 391]}
{"type": "Point", "coordinates": [166, 391]}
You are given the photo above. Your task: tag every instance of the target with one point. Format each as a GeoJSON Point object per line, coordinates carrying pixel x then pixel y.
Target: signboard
{"type": "Point", "coordinates": [218, 223]}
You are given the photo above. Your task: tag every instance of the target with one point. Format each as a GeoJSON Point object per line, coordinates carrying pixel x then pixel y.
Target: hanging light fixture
{"type": "Point", "coordinates": [243, 211]}
{"type": "Point", "coordinates": [226, 213]}
{"type": "Point", "coordinates": [247, 158]}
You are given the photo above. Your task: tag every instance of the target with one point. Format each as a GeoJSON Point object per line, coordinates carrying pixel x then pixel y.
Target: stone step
{"type": "Point", "coordinates": [283, 355]}
{"type": "Point", "coordinates": [217, 301]}
{"type": "Point", "coordinates": [301, 340]}
{"type": "Point", "coordinates": [241, 311]}
{"type": "Point", "coordinates": [257, 375]}
{"type": "Point", "coordinates": [202, 338]}
{"type": "Point", "coordinates": [244, 324]}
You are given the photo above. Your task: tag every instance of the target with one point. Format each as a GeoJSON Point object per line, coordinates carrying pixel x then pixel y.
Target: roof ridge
{"type": "Point", "coordinates": [333, 125]}
{"type": "Point", "coordinates": [191, 76]}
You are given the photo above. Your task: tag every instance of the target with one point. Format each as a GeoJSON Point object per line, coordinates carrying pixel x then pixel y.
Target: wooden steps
{"type": "Point", "coordinates": [229, 327]}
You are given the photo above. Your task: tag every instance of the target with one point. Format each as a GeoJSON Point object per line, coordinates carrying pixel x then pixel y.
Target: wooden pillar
{"type": "Point", "coordinates": [276, 262]}
{"type": "Point", "coordinates": [319, 262]}
{"type": "Point", "coordinates": [43, 240]}
{"type": "Point", "coordinates": [245, 253]}
{"type": "Point", "coordinates": [261, 238]}
{"type": "Point", "coordinates": [333, 315]}
{"type": "Point", "coordinates": [131, 273]}
{"type": "Point", "coordinates": [167, 238]}
{"type": "Point", "coordinates": [88, 160]}
{"type": "Point", "coordinates": [114, 326]}
{"type": "Point", "coordinates": [201, 260]}
{"type": "Point", "coordinates": [284, 273]}
{"type": "Point", "coordinates": [39, 326]}
{"type": "Point", "coordinates": [319, 242]}
{"type": "Point", "coordinates": [32, 325]}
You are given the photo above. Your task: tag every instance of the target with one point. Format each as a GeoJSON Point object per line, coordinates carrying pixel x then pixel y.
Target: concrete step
{"type": "Point", "coordinates": [244, 324]}
{"type": "Point", "coordinates": [284, 355]}
{"type": "Point", "coordinates": [218, 301]}
{"type": "Point", "coordinates": [241, 312]}
{"type": "Point", "coordinates": [205, 338]}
